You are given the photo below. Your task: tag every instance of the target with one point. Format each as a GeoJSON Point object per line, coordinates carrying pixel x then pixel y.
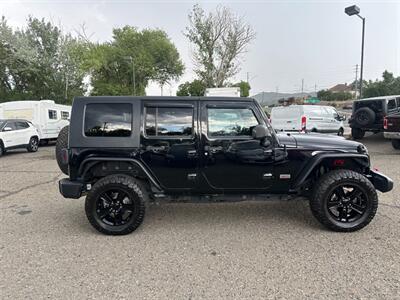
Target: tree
{"type": "Point", "coordinates": [126, 64]}
{"type": "Point", "coordinates": [244, 88]}
{"type": "Point", "coordinates": [219, 38]}
{"type": "Point", "coordinates": [39, 62]}
{"type": "Point", "coordinates": [194, 88]}
{"type": "Point", "coordinates": [327, 95]}
{"type": "Point", "coordinates": [389, 85]}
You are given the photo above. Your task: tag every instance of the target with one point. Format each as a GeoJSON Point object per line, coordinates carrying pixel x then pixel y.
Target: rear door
{"type": "Point", "coordinates": [286, 118]}
{"type": "Point", "coordinates": [169, 146]}
{"type": "Point", "coordinates": [24, 132]}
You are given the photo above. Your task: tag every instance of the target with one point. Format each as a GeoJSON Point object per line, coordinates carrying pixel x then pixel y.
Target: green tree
{"type": "Point", "coordinates": [389, 85]}
{"type": "Point", "coordinates": [219, 38]}
{"type": "Point", "coordinates": [327, 95]}
{"type": "Point", "coordinates": [244, 88]}
{"type": "Point", "coordinates": [125, 65]}
{"type": "Point", "coordinates": [193, 88]}
{"type": "Point", "coordinates": [39, 62]}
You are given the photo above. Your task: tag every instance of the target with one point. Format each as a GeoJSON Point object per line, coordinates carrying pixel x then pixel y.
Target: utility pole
{"type": "Point", "coordinates": [302, 86]}
{"type": "Point", "coordinates": [315, 88]}
{"type": "Point", "coordinates": [248, 75]}
{"type": "Point", "coordinates": [356, 83]}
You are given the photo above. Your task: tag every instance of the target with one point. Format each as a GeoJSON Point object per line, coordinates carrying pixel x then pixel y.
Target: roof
{"type": "Point", "coordinates": [14, 120]}
{"type": "Point", "coordinates": [341, 88]}
{"type": "Point", "coordinates": [378, 98]}
{"type": "Point", "coordinates": [163, 98]}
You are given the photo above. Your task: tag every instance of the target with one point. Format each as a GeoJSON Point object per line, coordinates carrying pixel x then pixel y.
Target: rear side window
{"type": "Point", "coordinates": [22, 125]}
{"type": "Point", "coordinates": [65, 115]}
{"type": "Point", "coordinates": [169, 121]}
{"type": "Point", "coordinates": [108, 119]}
{"type": "Point", "coordinates": [391, 104]}
{"type": "Point", "coordinates": [52, 114]}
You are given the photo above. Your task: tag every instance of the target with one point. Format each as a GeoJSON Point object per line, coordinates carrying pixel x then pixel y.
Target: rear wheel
{"type": "Point", "coordinates": [396, 144]}
{"type": "Point", "coordinates": [116, 205]}
{"type": "Point", "coordinates": [33, 144]}
{"type": "Point", "coordinates": [357, 133]}
{"type": "Point", "coordinates": [344, 200]}
{"type": "Point", "coordinates": [2, 151]}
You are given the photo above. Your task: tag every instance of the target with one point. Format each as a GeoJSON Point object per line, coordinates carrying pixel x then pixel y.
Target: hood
{"type": "Point", "coordinates": [316, 141]}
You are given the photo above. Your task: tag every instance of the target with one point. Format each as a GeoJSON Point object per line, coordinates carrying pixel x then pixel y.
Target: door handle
{"type": "Point", "coordinates": [212, 150]}
{"type": "Point", "coordinates": [192, 153]}
{"type": "Point", "coordinates": [155, 149]}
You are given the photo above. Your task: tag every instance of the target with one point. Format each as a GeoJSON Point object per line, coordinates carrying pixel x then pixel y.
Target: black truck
{"type": "Point", "coordinates": [391, 124]}
{"type": "Point", "coordinates": [122, 152]}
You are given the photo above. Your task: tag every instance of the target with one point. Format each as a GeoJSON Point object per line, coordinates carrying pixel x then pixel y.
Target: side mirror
{"type": "Point", "coordinates": [260, 132]}
{"type": "Point", "coordinates": [7, 128]}
{"type": "Point", "coordinates": [343, 118]}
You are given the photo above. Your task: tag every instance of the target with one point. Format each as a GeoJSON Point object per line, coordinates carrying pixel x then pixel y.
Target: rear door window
{"type": "Point", "coordinates": [108, 120]}
{"type": "Point", "coordinates": [22, 125]}
{"type": "Point", "coordinates": [11, 125]}
{"type": "Point", "coordinates": [52, 114]}
{"type": "Point", "coordinates": [169, 121]}
{"type": "Point", "coordinates": [391, 106]}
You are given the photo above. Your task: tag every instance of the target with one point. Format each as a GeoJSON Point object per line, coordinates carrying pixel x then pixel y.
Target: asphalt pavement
{"type": "Point", "coordinates": [246, 250]}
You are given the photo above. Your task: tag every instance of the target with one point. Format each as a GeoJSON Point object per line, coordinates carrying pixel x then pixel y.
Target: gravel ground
{"type": "Point", "coordinates": [190, 251]}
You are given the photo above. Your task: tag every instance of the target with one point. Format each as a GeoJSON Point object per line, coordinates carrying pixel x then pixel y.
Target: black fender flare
{"type": "Point", "coordinates": [90, 162]}
{"type": "Point", "coordinates": [361, 159]}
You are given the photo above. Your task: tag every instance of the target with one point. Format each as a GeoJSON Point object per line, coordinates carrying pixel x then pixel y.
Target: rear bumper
{"type": "Point", "coordinates": [392, 135]}
{"type": "Point", "coordinates": [70, 189]}
{"type": "Point", "coordinates": [381, 182]}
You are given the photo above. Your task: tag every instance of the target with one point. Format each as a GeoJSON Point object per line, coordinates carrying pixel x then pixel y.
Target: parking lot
{"type": "Point", "coordinates": [190, 251]}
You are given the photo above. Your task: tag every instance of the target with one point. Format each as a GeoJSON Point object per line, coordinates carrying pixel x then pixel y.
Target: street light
{"type": "Point", "coordinates": [351, 11]}
{"type": "Point", "coordinates": [130, 58]}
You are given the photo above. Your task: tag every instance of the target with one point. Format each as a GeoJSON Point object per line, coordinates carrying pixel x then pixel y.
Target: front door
{"type": "Point", "coordinates": [232, 161]}
{"type": "Point", "coordinates": [169, 146]}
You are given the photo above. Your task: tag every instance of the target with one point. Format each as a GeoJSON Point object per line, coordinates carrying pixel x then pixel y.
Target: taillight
{"type": "Point", "coordinates": [385, 123]}
{"type": "Point", "coordinates": [303, 123]}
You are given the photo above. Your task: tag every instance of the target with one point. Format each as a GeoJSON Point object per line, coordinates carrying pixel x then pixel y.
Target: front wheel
{"type": "Point", "coordinates": [116, 205]}
{"type": "Point", "coordinates": [340, 131]}
{"type": "Point", "coordinates": [33, 144]}
{"type": "Point", "coordinates": [357, 133]}
{"type": "Point", "coordinates": [344, 200]}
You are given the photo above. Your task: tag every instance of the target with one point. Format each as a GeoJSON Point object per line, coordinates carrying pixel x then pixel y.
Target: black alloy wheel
{"type": "Point", "coordinates": [115, 207]}
{"type": "Point", "coordinates": [347, 203]}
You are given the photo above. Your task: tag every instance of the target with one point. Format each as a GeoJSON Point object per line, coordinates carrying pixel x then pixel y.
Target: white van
{"type": "Point", "coordinates": [314, 118]}
{"type": "Point", "coordinates": [47, 116]}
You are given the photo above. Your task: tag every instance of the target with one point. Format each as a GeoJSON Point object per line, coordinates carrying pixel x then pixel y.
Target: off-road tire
{"type": "Point", "coordinates": [2, 151]}
{"type": "Point", "coordinates": [62, 143]}
{"type": "Point", "coordinates": [396, 144]}
{"type": "Point", "coordinates": [124, 182]}
{"type": "Point", "coordinates": [357, 133]}
{"type": "Point", "coordinates": [324, 188]}
{"type": "Point", "coordinates": [364, 116]}
{"type": "Point", "coordinates": [33, 144]}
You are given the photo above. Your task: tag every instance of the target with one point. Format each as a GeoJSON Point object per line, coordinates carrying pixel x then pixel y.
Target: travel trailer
{"type": "Point", "coordinates": [47, 116]}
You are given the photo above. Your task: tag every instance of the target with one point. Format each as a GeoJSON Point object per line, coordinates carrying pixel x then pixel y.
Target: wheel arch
{"type": "Point", "coordinates": [350, 161]}
{"type": "Point", "coordinates": [112, 165]}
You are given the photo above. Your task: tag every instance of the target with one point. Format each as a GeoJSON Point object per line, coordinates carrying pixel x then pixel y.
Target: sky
{"type": "Point", "coordinates": [314, 41]}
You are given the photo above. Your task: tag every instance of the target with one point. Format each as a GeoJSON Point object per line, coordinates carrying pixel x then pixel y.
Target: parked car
{"type": "Point", "coordinates": [391, 125]}
{"type": "Point", "coordinates": [47, 116]}
{"type": "Point", "coordinates": [368, 114]}
{"type": "Point", "coordinates": [18, 133]}
{"type": "Point", "coordinates": [314, 118]}
{"type": "Point", "coordinates": [124, 151]}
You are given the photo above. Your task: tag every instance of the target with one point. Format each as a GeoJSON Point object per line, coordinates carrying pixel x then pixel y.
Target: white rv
{"type": "Point", "coordinates": [47, 116]}
{"type": "Point", "coordinates": [223, 92]}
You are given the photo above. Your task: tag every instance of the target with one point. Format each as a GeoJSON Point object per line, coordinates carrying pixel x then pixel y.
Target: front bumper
{"type": "Point", "coordinates": [70, 189]}
{"type": "Point", "coordinates": [392, 135]}
{"type": "Point", "coordinates": [381, 182]}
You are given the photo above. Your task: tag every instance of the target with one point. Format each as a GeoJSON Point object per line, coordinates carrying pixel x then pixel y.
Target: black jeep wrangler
{"type": "Point", "coordinates": [368, 114]}
{"type": "Point", "coordinates": [122, 152]}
